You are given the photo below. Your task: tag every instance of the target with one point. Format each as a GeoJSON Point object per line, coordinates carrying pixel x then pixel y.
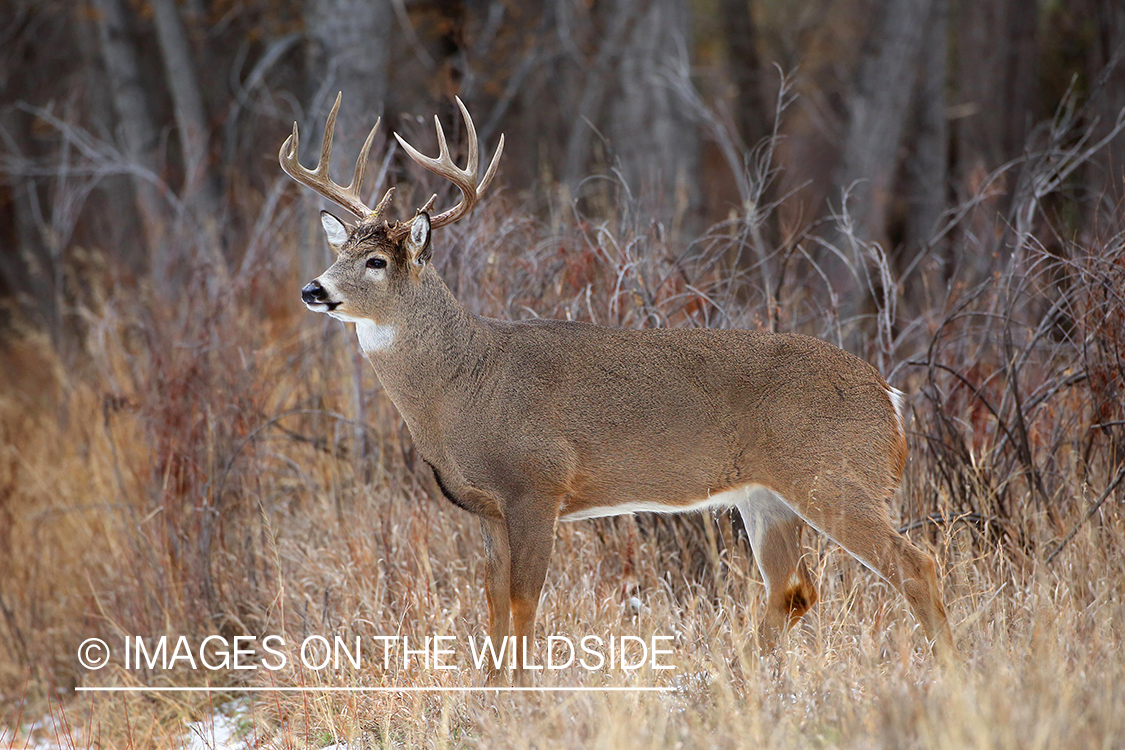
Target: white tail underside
{"type": "Point", "coordinates": [898, 400]}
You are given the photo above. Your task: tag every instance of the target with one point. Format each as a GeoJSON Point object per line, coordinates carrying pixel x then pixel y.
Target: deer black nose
{"type": "Point", "coordinates": [313, 292]}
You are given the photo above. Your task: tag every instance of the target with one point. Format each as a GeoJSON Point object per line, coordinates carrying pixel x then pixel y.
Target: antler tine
{"type": "Point", "coordinates": [318, 178]}
{"type": "Point", "coordinates": [472, 166]}
{"type": "Point", "coordinates": [361, 172]}
{"type": "Point", "coordinates": [444, 166]}
{"type": "Point", "coordinates": [325, 160]}
{"type": "Point", "coordinates": [287, 156]}
{"type": "Point", "coordinates": [384, 202]}
{"type": "Point", "coordinates": [361, 162]}
{"type": "Point", "coordinates": [488, 175]}
{"type": "Point", "coordinates": [443, 147]}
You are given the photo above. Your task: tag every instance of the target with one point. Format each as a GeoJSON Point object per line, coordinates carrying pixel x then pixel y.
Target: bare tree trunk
{"type": "Point", "coordinates": [598, 82]}
{"type": "Point", "coordinates": [26, 270]}
{"type": "Point", "coordinates": [996, 103]}
{"type": "Point", "coordinates": [1022, 101]}
{"type": "Point", "coordinates": [927, 170]}
{"type": "Point", "coordinates": [113, 200]}
{"type": "Point", "coordinates": [350, 52]}
{"type": "Point", "coordinates": [996, 81]}
{"type": "Point", "coordinates": [878, 110]}
{"type": "Point", "coordinates": [135, 127]}
{"type": "Point", "coordinates": [27, 265]}
{"type": "Point", "coordinates": [350, 43]}
{"type": "Point", "coordinates": [751, 113]}
{"type": "Point", "coordinates": [655, 141]}
{"type": "Point", "coordinates": [1106, 174]}
{"type": "Point", "coordinates": [199, 192]}
{"type": "Point", "coordinates": [541, 155]}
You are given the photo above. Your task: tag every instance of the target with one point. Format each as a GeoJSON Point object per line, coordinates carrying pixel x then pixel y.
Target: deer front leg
{"type": "Point", "coordinates": [531, 540]}
{"type": "Point", "coordinates": [496, 575]}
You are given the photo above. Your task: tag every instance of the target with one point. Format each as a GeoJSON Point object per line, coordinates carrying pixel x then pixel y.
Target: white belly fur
{"type": "Point", "coordinates": [728, 499]}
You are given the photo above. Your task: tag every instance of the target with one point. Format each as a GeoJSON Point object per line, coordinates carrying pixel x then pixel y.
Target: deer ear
{"type": "Point", "coordinates": [418, 242]}
{"type": "Point", "coordinates": [334, 230]}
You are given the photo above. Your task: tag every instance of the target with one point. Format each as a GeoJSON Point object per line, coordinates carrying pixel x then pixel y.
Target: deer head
{"type": "Point", "coordinates": [380, 262]}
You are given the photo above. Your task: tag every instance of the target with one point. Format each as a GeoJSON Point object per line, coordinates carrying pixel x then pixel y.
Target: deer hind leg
{"type": "Point", "coordinates": [857, 520]}
{"type": "Point", "coordinates": [775, 537]}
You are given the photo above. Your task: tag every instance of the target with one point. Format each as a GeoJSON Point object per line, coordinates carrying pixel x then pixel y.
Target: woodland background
{"type": "Point", "coordinates": [128, 123]}
{"type": "Point", "coordinates": [936, 185]}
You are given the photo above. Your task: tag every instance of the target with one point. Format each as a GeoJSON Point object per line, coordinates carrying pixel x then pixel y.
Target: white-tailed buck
{"type": "Point", "coordinates": [530, 422]}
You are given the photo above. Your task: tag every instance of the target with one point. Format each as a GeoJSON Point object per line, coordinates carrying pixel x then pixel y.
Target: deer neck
{"type": "Point", "coordinates": [431, 355]}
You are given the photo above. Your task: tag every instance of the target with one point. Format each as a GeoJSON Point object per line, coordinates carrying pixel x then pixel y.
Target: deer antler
{"type": "Point", "coordinates": [318, 179]}
{"type": "Point", "coordinates": [464, 179]}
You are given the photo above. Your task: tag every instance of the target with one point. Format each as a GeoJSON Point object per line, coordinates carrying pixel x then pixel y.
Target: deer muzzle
{"type": "Point", "coordinates": [313, 294]}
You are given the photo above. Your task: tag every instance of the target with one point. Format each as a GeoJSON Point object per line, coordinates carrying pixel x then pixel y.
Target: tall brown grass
{"type": "Point", "coordinates": [225, 464]}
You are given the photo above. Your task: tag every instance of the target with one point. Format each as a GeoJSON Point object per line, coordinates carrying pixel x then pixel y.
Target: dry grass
{"type": "Point", "coordinates": [231, 468]}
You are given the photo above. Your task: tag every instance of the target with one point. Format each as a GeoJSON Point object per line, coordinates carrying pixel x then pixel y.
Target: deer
{"type": "Point", "coordinates": [528, 423]}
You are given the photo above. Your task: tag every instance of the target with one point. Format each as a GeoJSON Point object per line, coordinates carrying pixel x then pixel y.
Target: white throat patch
{"type": "Point", "coordinates": [374, 337]}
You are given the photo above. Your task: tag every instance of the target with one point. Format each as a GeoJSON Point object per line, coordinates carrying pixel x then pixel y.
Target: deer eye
{"type": "Point", "coordinates": [376, 263]}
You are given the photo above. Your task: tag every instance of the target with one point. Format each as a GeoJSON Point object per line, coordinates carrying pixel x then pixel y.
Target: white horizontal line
{"type": "Point", "coordinates": [402, 689]}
